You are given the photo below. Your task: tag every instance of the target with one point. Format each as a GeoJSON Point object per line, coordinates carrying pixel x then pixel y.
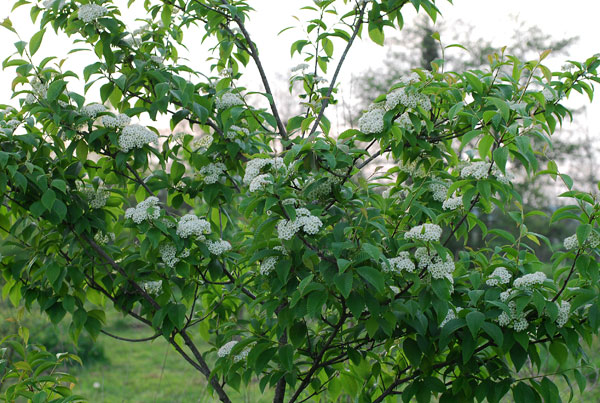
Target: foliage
{"type": "Point", "coordinates": [31, 372]}
{"type": "Point", "coordinates": [257, 234]}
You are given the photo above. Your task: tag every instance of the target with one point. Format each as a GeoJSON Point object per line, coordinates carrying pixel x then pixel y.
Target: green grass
{"type": "Point", "coordinates": [147, 372]}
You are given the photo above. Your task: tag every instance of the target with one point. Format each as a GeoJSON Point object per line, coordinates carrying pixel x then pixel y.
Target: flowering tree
{"type": "Point", "coordinates": [255, 234]}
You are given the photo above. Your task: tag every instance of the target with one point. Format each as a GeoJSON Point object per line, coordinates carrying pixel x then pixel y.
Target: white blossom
{"type": "Point", "coordinates": [260, 182]}
{"type": "Point", "coordinates": [212, 172]}
{"type": "Point", "coordinates": [452, 203]}
{"type": "Point", "coordinates": [190, 224]}
{"type": "Point", "coordinates": [50, 3]}
{"type": "Point", "coordinates": [135, 136]}
{"type": "Point", "coordinates": [450, 315]}
{"type": "Point", "coordinates": [227, 100]}
{"type": "Point", "coordinates": [96, 197]}
{"type": "Point", "coordinates": [92, 110]}
{"type": "Point", "coordinates": [310, 224]}
{"type": "Point", "coordinates": [119, 121]}
{"type": "Point", "coordinates": [90, 12]}
{"type": "Point", "coordinates": [301, 66]}
{"type": "Point", "coordinates": [401, 263]}
{"type": "Point", "coordinates": [371, 121]}
{"type": "Point", "coordinates": [152, 287]}
{"type": "Point", "coordinates": [234, 130]}
{"type": "Point", "coordinates": [528, 280]}
{"type": "Point", "coordinates": [218, 247]}
{"type": "Point", "coordinates": [571, 242]}
{"type": "Point", "coordinates": [424, 232]}
{"type": "Point", "coordinates": [225, 350]}
{"type": "Point", "coordinates": [564, 310]}
{"type": "Point", "coordinates": [500, 276]}
{"type": "Point", "coordinates": [146, 210]}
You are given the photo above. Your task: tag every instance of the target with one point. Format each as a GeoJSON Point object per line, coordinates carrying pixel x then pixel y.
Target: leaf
{"type": "Point", "coordinates": [48, 199]}
{"type": "Point", "coordinates": [286, 357]}
{"type": "Point", "coordinates": [500, 157]}
{"type": "Point", "coordinates": [36, 41]}
{"type": "Point", "coordinates": [474, 321]}
{"type": "Point", "coordinates": [484, 145]}
{"type": "Point", "coordinates": [412, 351]}
{"type": "Point", "coordinates": [55, 89]}
{"type": "Point", "coordinates": [494, 332]}
{"type": "Point", "coordinates": [583, 231]}
{"type": "Point", "coordinates": [343, 282]}
{"type": "Point", "coordinates": [373, 276]}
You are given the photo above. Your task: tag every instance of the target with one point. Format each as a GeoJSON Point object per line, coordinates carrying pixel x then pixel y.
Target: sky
{"type": "Point", "coordinates": [491, 19]}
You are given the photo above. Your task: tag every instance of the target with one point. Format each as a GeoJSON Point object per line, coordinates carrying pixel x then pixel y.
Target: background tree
{"type": "Point", "coordinates": [297, 275]}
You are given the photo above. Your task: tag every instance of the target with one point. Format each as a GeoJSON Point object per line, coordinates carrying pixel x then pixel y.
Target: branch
{"type": "Point", "coordinates": [114, 336]}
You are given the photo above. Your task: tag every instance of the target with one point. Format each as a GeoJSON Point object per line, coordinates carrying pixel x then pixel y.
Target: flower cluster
{"type": "Point", "coordinates": [146, 210]}
{"type": "Point", "coordinates": [92, 110]}
{"type": "Point", "coordinates": [372, 121]}
{"type": "Point", "coordinates": [452, 203]}
{"type": "Point", "coordinates": [135, 136]}
{"type": "Point", "coordinates": [529, 280]}
{"type": "Point", "coordinates": [439, 190]}
{"type": "Point", "coordinates": [260, 182]}
{"type": "Point", "coordinates": [400, 263]}
{"type": "Point", "coordinates": [404, 121]}
{"type": "Point", "coordinates": [482, 170]}
{"type": "Point", "coordinates": [252, 175]}
{"type": "Point", "coordinates": [90, 12]}
{"type": "Point", "coordinates": [450, 315]}
{"type": "Point", "coordinates": [564, 311]}
{"type": "Point", "coordinates": [592, 240]}
{"type": "Point", "coordinates": [152, 287]}
{"type": "Point", "coordinates": [212, 171]}
{"type": "Point", "coordinates": [407, 99]}
{"type": "Point", "coordinates": [96, 197]}
{"type": "Point", "coordinates": [120, 121]}
{"type": "Point", "coordinates": [325, 188]}
{"type": "Point", "coordinates": [311, 224]}
{"type": "Point", "coordinates": [424, 232]}
{"type": "Point", "coordinates": [234, 130]}
{"type": "Point", "coordinates": [102, 238]}
{"type": "Point", "coordinates": [301, 66]}
{"type": "Point", "coordinates": [439, 268]}
{"type": "Point", "coordinates": [227, 100]}
{"type": "Point", "coordinates": [500, 276]}
{"type": "Point", "coordinates": [514, 320]}
{"type": "Point", "coordinates": [201, 144]}
{"type": "Point", "coordinates": [168, 254]}
{"type": "Point", "coordinates": [226, 348]}
{"type": "Point", "coordinates": [190, 224]}
{"type": "Point", "coordinates": [218, 247]}
{"type": "Point", "coordinates": [270, 262]}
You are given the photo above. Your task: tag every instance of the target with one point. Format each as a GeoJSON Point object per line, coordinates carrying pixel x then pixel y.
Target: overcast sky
{"type": "Point", "coordinates": [491, 19]}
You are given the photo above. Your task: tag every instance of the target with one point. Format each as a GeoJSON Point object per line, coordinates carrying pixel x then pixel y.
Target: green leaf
{"type": "Point", "coordinates": [474, 321]}
{"type": "Point", "coordinates": [177, 171]}
{"type": "Point", "coordinates": [500, 157]}
{"type": "Point", "coordinates": [412, 351]}
{"type": "Point", "coordinates": [286, 357]}
{"type": "Point", "coordinates": [343, 282]}
{"type": "Point", "coordinates": [376, 34]}
{"type": "Point", "coordinates": [48, 199]}
{"type": "Point", "coordinates": [583, 231]}
{"type": "Point", "coordinates": [484, 145]}
{"type": "Point", "coordinates": [559, 352]}
{"type": "Point", "coordinates": [53, 271]}
{"type": "Point", "coordinates": [494, 332]}
{"type": "Point", "coordinates": [36, 41]}
{"type": "Point", "coordinates": [373, 276]}
{"type": "Point", "coordinates": [55, 89]}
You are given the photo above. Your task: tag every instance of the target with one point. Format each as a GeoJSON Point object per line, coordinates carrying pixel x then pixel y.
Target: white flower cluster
{"type": "Point", "coordinates": [400, 263]}
{"type": "Point", "coordinates": [39, 89]}
{"type": "Point", "coordinates": [135, 136]}
{"type": "Point", "coordinates": [102, 238]}
{"type": "Point", "coordinates": [424, 257]}
{"type": "Point", "coordinates": [146, 210]}
{"type": "Point", "coordinates": [212, 171]}
{"type": "Point", "coordinates": [260, 182]}
{"type": "Point", "coordinates": [12, 124]}
{"type": "Point", "coordinates": [311, 224]}
{"type": "Point", "coordinates": [270, 262]}
{"type": "Point", "coordinates": [517, 322]}
{"type": "Point", "coordinates": [157, 59]}
{"type": "Point", "coordinates": [96, 198]}
{"type": "Point", "coordinates": [424, 232]}
{"type": "Point", "coordinates": [412, 168]}
{"type": "Point", "coordinates": [225, 350]}
{"type": "Point", "coordinates": [407, 99]}
{"type": "Point", "coordinates": [592, 240]}
{"type": "Point", "coordinates": [500, 276]}
{"type": "Point", "coordinates": [218, 247]}
{"type": "Point", "coordinates": [439, 190]}
{"type": "Point", "coordinates": [227, 100]}
{"type": "Point", "coordinates": [439, 268]}
{"type": "Point", "coordinates": [505, 295]}
{"type": "Point", "coordinates": [119, 121]}
{"type": "Point", "coordinates": [190, 224]}
{"type": "Point", "coordinates": [452, 203]}
{"type": "Point", "coordinates": [168, 254]}
{"type": "Point", "coordinates": [301, 66]}
{"type": "Point", "coordinates": [50, 3]}
{"type": "Point", "coordinates": [252, 175]}
{"type": "Point", "coordinates": [234, 130]}
{"type": "Point", "coordinates": [242, 355]}
{"type": "Point", "coordinates": [91, 12]}
{"type": "Point", "coordinates": [404, 121]}
{"type": "Point", "coordinates": [549, 94]}
{"type": "Point", "coordinates": [152, 287]}
{"type": "Point", "coordinates": [202, 143]}
{"type": "Point", "coordinates": [450, 315]}
{"type": "Point", "coordinates": [326, 187]}
{"type": "Point", "coordinates": [92, 110]}
{"type": "Point", "coordinates": [372, 121]}
{"type": "Point", "coordinates": [481, 170]}
{"type": "Point", "coordinates": [529, 280]}
{"type": "Point", "coordinates": [564, 310]}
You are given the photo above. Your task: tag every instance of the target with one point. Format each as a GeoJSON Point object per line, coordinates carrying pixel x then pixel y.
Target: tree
{"type": "Point", "coordinates": [292, 271]}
